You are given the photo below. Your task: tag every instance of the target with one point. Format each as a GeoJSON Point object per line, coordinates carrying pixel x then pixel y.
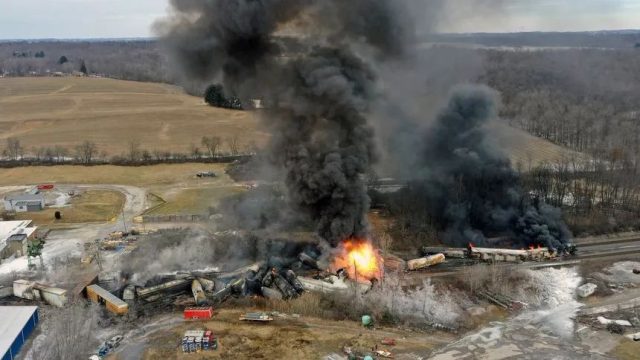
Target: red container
{"type": "Point", "coordinates": [198, 313]}
{"type": "Point", "coordinates": [45, 187]}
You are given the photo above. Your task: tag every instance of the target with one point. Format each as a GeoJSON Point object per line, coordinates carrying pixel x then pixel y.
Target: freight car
{"type": "Point", "coordinates": [501, 254]}
{"type": "Point", "coordinates": [508, 255]}
{"type": "Point", "coordinates": [101, 296]}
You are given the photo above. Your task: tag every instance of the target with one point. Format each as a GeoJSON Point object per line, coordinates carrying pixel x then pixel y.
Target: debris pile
{"type": "Point", "coordinates": [586, 290]}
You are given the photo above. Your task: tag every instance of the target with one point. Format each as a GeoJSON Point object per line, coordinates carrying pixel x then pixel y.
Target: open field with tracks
{"type": "Point", "coordinates": [49, 111]}
{"type": "Point", "coordinates": [65, 111]}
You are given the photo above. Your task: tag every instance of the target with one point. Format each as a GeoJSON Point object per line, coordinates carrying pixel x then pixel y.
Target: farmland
{"type": "Point", "coordinates": [64, 111]}
{"type": "Point", "coordinates": [112, 113]}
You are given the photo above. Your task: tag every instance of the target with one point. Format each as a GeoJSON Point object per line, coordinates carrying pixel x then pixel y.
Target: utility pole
{"type": "Point", "coordinates": [124, 222]}
{"type": "Point", "coordinates": [98, 257]}
{"type": "Point", "coordinates": [355, 271]}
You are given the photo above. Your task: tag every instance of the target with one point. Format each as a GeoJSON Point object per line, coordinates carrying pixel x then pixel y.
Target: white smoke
{"type": "Point", "coordinates": [425, 304]}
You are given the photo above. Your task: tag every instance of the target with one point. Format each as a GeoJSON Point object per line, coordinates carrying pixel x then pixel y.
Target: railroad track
{"type": "Point", "coordinates": [606, 248]}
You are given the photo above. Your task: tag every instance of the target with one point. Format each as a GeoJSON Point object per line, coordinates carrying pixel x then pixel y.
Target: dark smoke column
{"type": "Point", "coordinates": [470, 187]}
{"type": "Point", "coordinates": [317, 96]}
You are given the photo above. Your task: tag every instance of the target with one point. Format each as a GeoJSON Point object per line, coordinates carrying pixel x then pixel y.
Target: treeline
{"type": "Point", "coordinates": [88, 153]}
{"type": "Point", "coordinates": [624, 39]}
{"type": "Point", "coordinates": [139, 60]}
{"type": "Point", "coordinates": [587, 100]}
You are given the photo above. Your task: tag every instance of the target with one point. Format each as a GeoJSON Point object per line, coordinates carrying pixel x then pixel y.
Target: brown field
{"type": "Point", "coordinates": [49, 111]}
{"type": "Point", "coordinates": [90, 206]}
{"type": "Point", "coordinates": [289, 338]}
{"type": "Point", "coordinates": [65, 111]}
{"type": "Point", "coordinates": [526, 150]}
{"type": "Point", "coordinates": [194, 200]}
{"type": "Point", "coordinates": [627, 350]}
{"type": "Point", "coordinates": [160, 175]}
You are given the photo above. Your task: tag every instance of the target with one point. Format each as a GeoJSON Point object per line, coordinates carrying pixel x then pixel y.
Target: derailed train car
{"type": "Point", "coordinates": [502, 254]}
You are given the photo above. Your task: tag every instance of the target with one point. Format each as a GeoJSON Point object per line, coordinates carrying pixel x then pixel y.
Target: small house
{"type": "Point", "coordinates": [24, 202]}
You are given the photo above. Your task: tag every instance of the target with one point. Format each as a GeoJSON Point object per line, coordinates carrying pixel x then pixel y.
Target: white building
{"type": "Point", "coordinates": [14, 237]}
{"type": "Point", "coordinates": [24, 202]}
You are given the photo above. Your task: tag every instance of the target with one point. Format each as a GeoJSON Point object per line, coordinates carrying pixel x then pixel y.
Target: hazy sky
{"type": "Point", "coordinates": [29, 19]}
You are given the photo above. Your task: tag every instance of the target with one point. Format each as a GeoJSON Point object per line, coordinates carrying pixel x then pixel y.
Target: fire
{"type": "Point", "coordinates": [359, 258]}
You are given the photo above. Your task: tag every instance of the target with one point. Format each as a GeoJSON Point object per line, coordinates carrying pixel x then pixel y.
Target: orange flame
{"type": "Point", "coordinates": [359, 259]}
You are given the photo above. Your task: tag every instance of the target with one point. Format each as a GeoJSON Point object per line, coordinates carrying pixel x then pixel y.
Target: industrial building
{"type": "Point", "coordinates": [18, 322]}
{"type": "Point", "coordinates": [14, 236]}
{"type": "Point", "coordinates": [24, 202]}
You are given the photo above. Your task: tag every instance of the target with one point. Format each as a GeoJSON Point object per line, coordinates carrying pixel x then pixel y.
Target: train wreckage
{"type": "Point", "coordinates": [277, 281]}
{"type": "Point", "coordinates": [214, 287]}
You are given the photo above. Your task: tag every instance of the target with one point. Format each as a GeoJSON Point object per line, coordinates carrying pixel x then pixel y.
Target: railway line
{"type": "Point", "coordinates": [606, 247]}
{"type": "Point", "coordinates": [588, 249]}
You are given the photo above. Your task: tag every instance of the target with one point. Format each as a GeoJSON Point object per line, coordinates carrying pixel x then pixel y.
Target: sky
{"type": "Point", "coordinates": [72, 19]}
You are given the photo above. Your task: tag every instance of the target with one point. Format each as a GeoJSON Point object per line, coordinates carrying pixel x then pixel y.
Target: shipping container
{"type": "Point", "coordinates": [101, 296]}
{"type": "Point", "coordinates": [198, 313]}
{"type": "Point", "coordinates": [51, 295]}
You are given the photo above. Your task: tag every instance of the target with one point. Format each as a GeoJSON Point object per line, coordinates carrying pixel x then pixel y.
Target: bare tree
{"type": "Point", "coordinates": [195, 151]}
{"type": "Point", "coordinates": [234, 144]}
{"type": "Point", "coordinates": [86, 151]}
{"type": "Point", "coordinates": [39, 152]}
{"type": "Point", "coordinates": [60, 152]}
{"type": "Point", "coordinates": [68, 333]}
{"type": "Point", "coordinates": [212, 144]}
{"type": "Point", "coordinates": [134, 150]}
{"type": "Point", "coordinates": [14, 148]}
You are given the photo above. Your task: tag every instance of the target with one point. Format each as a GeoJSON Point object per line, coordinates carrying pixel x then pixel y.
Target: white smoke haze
{"type": "Point", "coordinates": [551, 295]}
{"type": "Point", "coordinates": [175, 250]}
{"type": "Point", "coordinates": [422, 304]}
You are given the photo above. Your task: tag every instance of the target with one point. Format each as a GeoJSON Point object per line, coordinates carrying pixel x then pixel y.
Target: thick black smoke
{"type": "Point", "coordinates": [469, 186]}
{"type": "Point", "coordinates": [317, 96]}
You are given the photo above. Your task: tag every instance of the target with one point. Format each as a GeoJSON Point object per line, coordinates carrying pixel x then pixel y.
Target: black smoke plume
{"type": "Point", "coordinates": [317, 93]}
{"type": "Point", "coordinates": [470, 187]}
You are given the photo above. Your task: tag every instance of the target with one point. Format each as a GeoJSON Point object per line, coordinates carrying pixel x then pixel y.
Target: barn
{"type": "Point", "coordinates": [18, 322]}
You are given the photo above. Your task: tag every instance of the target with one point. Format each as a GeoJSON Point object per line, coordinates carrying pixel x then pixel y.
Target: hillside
{"type": "Point", "coordinates": [526, 150]}
{"type": "Point", "coordinates": [48, 111]}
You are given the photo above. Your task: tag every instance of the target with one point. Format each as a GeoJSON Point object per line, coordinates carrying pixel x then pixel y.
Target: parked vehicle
{"type": "Point", "coordinates": [206, 174]}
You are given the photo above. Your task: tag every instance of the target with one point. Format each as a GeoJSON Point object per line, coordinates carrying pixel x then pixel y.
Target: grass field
{"type": "Point", "coordinates": [49, 111]}
{"type": "Point", "coordinates": [90, 206]}
{"type": "Point", "coordinates": [158, 175]}
{"type": "Point", "coordinates": [64, 111]}
{"type": "Point", "coordinates": [194, 200]}
{"type": "Point", "coordinates": [526, 149]}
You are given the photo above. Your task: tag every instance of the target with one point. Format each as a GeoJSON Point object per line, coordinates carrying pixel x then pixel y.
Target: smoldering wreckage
{"type": "Point", "coordinates": [318, 93]}
{"type": "Point", "coordinates": [166, 292]}
{"type": "Point", "coordinates": [356, 267]}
